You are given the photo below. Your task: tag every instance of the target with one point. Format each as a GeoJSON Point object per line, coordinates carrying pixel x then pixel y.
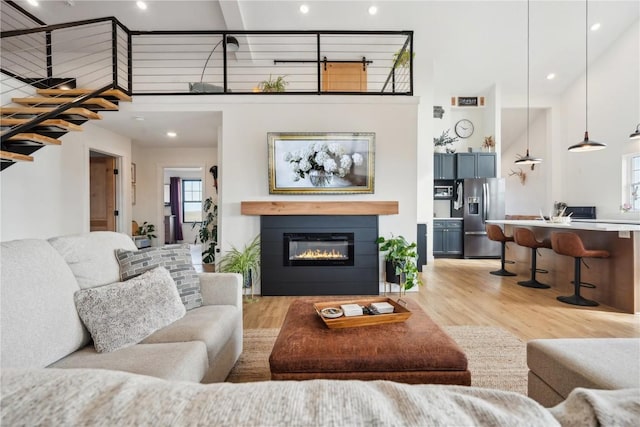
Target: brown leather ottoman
{"type": "Point", "coordinates": [416, 351]}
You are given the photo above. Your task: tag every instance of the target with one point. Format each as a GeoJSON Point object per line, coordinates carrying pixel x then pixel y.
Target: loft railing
{"type": "Point", "coordinates": [97, 53]}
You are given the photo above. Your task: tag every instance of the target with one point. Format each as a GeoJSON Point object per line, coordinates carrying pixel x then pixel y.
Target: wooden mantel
{"type": "Point", "coordinates": [319, 208]}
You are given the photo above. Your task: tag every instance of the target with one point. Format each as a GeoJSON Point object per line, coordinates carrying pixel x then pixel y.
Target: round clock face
{"type": "Point", "coordinates": [464, 128]}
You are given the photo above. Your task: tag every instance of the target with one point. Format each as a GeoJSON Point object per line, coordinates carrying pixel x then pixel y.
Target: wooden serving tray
{"type": "Point", "coordinates": [400, 313]}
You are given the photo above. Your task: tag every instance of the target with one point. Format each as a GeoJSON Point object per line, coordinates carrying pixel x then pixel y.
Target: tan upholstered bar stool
{"type": "Point", "coordinates": [494, 232]}
{"type": "Point", "coordinates": [525, 237]}
{"type": "Point", "coordinates": [570, 244]}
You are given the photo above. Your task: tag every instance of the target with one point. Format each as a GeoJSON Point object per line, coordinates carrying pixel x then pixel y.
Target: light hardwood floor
{"type": "Point", "coordinates": [462, 292]}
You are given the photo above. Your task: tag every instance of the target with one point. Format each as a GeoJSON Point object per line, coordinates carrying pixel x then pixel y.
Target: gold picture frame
{"type": "Point", "coordinates": [321, 162]}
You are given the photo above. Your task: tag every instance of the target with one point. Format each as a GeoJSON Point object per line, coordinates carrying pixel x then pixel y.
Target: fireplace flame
{"type": "Point", "coordinates": [319, 254]}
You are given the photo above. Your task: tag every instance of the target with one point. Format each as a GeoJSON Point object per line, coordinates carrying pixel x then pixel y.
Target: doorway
{"type": "Point", "coordinates": [102, 192]}
{"type": "Point", "coordinates": [344, 77]}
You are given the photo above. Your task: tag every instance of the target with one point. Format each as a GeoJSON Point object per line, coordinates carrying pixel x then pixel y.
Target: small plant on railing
{"type": "Point", "coordinates": [277, 85]}
{"type": "Point", "coordinates": [401, 58]}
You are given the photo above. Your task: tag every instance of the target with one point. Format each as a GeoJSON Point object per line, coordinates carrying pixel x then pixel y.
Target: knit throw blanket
{"type": "Point", "coordinates": [80, 397]}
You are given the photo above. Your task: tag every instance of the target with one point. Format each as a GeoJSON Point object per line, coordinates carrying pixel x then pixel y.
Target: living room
{"type": "Point", "coordinates": [404, 126]}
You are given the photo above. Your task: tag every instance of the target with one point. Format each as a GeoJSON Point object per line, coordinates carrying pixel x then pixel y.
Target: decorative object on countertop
{"type": "Point", "coordinates": [208, 234]}
{"type": "Point", "coordinates": [401, 258]}
{"type": "Point", "coordinates": [586, 144]}
{"type": "Point", "coordinates": [626, 207]}
{"type": "Point", "coordinates": [634, 135]}
{"type": "Point", "coordinates": [527, 159]}
{"type": "Point", "coordinates": [245, 262]}
{"type": "Point", "coordinates": [489, 143]}
{"type": "Point", "coordinates": [559, 208]}
{"type": "Point", "coordinates": [440, 143]}
{"type": "Point", "coordinates": [520, 174]}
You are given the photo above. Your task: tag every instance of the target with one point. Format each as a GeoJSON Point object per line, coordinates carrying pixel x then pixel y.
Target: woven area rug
{"type": "Point", "coordinates": [497, 359]}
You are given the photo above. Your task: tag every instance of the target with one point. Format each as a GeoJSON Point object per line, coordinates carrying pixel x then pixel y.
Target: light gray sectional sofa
{"type": "Point", "coordinates": [40, 326]}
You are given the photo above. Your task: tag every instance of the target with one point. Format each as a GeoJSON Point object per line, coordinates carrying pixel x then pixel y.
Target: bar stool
{"type": "Point", "coordinates": [570, 244]}
{"type": "Point", "coordinates": [525, 237]}
{"type": "Point", "coordinates": [494, 232]}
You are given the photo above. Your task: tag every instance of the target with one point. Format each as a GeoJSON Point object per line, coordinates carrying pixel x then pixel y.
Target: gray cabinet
{"type": "Point", "coordinates": [447, 238]}
{"type": "Point", "coordinates": [444, 166]}
{"type": "Point", "coordinates": [476, 165]}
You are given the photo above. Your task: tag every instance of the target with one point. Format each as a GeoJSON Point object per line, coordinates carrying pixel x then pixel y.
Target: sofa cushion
{"type": "Point", "coordinates": [91, 256]}
{"type": "Point", "coordinates": [211, 324]}
{"type": "Point", "coordinates": [122, 314]}
{"type": "Point", "coordinates": [39, 323]}
{"type": "Point", "coordinates": [600, 363]}
{"type": "Point", "coordinates": [185, 361]}
{"type": "Point", "coordinates": [175, 258]}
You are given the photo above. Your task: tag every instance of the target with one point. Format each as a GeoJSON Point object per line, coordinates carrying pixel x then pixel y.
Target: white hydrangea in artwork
{"type": "Point", "coordinates": [305, 165]}
{"type": "Point", "coordinates": [295, 177]}
{"type": "Point", "coordinates": [331, 157]}
{"type": "Point", "coordinates": [336, 149]}
{"type": "Point", "coordinates": [345, 162]}
{"type": "Point", "coordinates": [357, 159]}
{"type": "Point", "coordinates": [321, 157]}
{"type": "Point", "coordinates": [330, 165]}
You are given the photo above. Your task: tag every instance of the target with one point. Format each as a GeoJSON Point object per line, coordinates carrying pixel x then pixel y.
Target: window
{"type": "Point", "coordinates": [191, 200]}
{"type": "Point", "coordinates": [631, 187]}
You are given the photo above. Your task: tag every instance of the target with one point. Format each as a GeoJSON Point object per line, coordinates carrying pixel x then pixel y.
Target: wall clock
{"type": "Point", "coordinates": [464, 128]}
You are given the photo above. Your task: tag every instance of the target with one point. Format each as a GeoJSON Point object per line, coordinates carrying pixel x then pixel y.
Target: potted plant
{"type": "Point", "coordinates": [401, 257]}
{"type": "Point", "coordinates": [401, 58]}
{"type": "Point", "coordinates": [245, 262]}
{"type": "Point", "coordinates": [208, 234]}
{"type": "Point", "coordinates": [489, 143]}
{"type": "Point", "coordinates": [148, 230]}
{"type": "Point", "coordinates": [440, 143]}
{"type": "Point", "coordinates": [277, 85]}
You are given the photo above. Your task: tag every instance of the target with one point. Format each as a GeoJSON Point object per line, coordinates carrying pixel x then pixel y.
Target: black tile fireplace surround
{"type": "Point", "coordinates": [318, 274]}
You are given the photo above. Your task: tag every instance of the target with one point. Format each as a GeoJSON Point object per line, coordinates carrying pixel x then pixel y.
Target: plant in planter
{"type": "Point", "coordinates": [148, 230]}
{"type": "Point", "coordinates": [208, 233]}
{"type": "Point", "coordinates": [401, 257]}
{"type": "Point", "coordinates": [401, 58]}
{"type": "Point", "coordinates": [440, 143]}
{"type": "Point", "coordinates": [245, 262]}
{"type": "Point", "coordinates": [277, 85]}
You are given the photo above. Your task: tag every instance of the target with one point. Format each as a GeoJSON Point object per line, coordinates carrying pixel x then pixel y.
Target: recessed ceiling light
{"type": "Point", "coordinates": [373, 10]}
{"type": "Point", "coordinates": [139, 118]}
{"type": "Point", "coordinates": [141, 5]}
{"type": "Point", "coordinates": [551, 76]}
{"type": "Point", "coordinates": [304, 9]}
{"type": "Point", "coordinates": [32, 2]}
{"type": "Point", "coordinates": [595, 27]}
{"type": "Point", "coordinates": [171, 134]}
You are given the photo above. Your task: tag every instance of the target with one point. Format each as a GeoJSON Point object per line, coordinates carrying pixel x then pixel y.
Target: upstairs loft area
{"type": "Point", "coordinates": [95, 53]}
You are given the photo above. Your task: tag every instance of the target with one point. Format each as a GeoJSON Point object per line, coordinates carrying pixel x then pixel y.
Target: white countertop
{"type": "Point", "coordinates": [448, 218]}
{"type": "Point", "coordinates": [593, 225]}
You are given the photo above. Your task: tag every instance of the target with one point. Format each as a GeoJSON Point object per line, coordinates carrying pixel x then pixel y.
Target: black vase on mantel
{"type": "Point", "coordinates": [390, 273]}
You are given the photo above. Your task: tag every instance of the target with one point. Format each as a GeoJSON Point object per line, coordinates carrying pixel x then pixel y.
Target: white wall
{"type": "Point", "coordinates": [593, 178]}
{"type": "Point", "coordinates": [530, 198]}
{"type": "Point", "coordinates": [50, 197]}
{"type": "Point", "coordinates": [150, 165]}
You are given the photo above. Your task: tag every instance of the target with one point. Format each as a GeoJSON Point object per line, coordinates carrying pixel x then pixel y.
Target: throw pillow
{"type": "Point", "coordinates": [122, 314]}
{"type": "Point", "coordinates": [175, 258]}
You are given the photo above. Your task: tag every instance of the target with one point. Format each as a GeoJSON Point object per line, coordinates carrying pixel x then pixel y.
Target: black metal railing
{"type": "Point", "coordinates": [100, 52]}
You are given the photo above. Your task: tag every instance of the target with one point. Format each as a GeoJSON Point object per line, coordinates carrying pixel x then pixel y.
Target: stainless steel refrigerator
{"type": "Point", "coordinates": [483, 199]}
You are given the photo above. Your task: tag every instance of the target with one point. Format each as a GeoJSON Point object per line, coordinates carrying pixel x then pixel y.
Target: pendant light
{"type": "Point", "coordinates": [586, 144]}
{"type": "Point", "coordinates": [636, 133]}
{"type": "Point", "coordinates": [528, 159]}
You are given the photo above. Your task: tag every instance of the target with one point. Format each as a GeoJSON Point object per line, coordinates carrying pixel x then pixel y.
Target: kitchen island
{"type": "Point", "coordinates": [617, 278]}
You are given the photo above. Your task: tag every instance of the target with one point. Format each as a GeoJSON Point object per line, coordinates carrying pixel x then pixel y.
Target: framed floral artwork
{"type": "Point", "coordinates": [321, 163]}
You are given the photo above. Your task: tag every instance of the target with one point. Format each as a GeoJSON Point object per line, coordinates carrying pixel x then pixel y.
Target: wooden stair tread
{"type": "Point", "coordinates": [35, 137]}
{"type": "Point", "coordinates": [101, 102]}
{"type": "Point", "coordinates": [78, 111]}
{"type": "Point", "coordinates": [114, 93]}
{"type": "Point", "coordinates": [63, 124]}
{"type": "Point", "coordinates": [15, 157]}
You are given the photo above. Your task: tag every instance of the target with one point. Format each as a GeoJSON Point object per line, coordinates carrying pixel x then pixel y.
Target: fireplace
{"type": "Point", "coordinates": [318, 249]}
{"type": "Point", "coordinates": [319, 255]}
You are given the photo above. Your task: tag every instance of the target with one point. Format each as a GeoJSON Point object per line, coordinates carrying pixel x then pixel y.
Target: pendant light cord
{"type": "Point", "coordinates": [528, 84]}
{"type": "Point", "coordinates": [586, 67]}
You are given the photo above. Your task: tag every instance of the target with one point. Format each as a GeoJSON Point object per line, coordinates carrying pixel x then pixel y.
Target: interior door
{"type": "Point", "coordinates": [344, 77]}
{"type": "Point", "coordinates": [102, 199]}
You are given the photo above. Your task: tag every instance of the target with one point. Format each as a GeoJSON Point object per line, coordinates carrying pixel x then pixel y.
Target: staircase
{"type": "Point", "coordinates": [19, 146]}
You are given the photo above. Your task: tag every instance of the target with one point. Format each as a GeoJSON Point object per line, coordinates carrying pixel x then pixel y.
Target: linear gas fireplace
{"type": "Point", "coordinates": [319, 255]}
{"type": "Point", "coordinates": [317, 249]}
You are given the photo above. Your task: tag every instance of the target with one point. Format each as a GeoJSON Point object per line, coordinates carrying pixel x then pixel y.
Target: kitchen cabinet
{"type": "Point", "coordinates": [444, 166]}
{"type": "Point", "coordinates": [476, 165]}
{"type": "Point", "coordinates": [447, 238]}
